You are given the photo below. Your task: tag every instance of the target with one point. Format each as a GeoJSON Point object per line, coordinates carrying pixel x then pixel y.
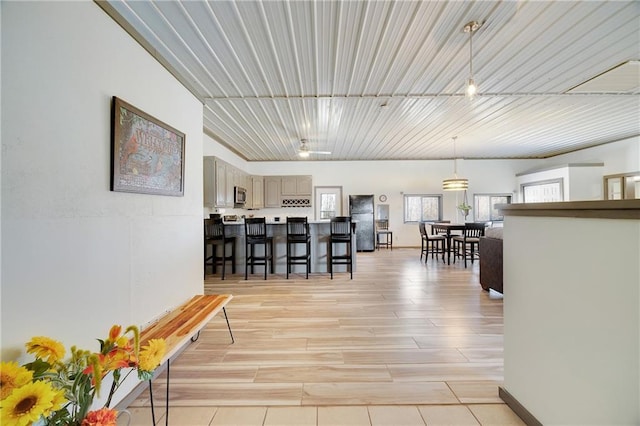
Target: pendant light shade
{"type": "Point", "coordinates": [458, 184]}
{"type": "Point", "coordinates": [455, 184]}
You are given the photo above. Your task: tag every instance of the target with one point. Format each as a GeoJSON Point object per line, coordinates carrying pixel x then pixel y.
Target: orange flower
{"type": "Point", "coordinates": [114, 360]}
{"type": "Point", "coordinates": [114, 333]}
{"type": "Point", "coordinates": [101, 417]}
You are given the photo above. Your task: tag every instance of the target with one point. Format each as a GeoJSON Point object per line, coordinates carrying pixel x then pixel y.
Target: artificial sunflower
{"type": "Point", "coordinates": [45, 348]}
{"type": "Point", "coordinates": [26, 404]}
{"type": "Point", "coordinates": [151, 354]}
{"type": "Point", "coordinates": [12, 376]}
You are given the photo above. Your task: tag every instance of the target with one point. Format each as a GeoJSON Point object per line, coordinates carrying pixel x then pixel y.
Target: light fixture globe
{"type": "Point", "coordinates": [472, 89]}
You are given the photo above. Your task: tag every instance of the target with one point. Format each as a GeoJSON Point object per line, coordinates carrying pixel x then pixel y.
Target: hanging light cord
{"type": "Point", "coordinates": [455, 160]}
{"type": "Point", "coordinates": [471, 53]}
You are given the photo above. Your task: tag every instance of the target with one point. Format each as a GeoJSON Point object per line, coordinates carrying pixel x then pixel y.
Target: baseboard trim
{"type": "Point", "coordinates": [518, 408]}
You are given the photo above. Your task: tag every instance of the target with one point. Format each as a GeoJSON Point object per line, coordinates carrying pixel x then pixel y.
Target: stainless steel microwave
{"type": "Point", "coordinates": [239, 196]}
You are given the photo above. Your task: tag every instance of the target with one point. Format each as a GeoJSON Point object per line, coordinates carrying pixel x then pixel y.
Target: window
{"type": "Point", "coordinates": [328, 202]}
{"type": "Point", "coordinates": [422, 208]}
{"type": "Point", "coordinates": [622, 186]}
{"type": "Point", "coordinates": [543, 191]}
{"type": "Point", "coordinates": [484, 206]}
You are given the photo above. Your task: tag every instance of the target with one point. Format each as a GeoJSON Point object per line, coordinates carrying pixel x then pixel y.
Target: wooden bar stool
{"type": "Point", "coordinates": [433, 242]}
{"type": "Point", "coordinates": [255, 234]}
{"type": "Point", "coordinates": [384, 237]}
{"type": "Point", "coordinates": [468, 243]}
{"type": "Point", "coordinates": [298, 234]}
{"type": "Point", "coordinates": [215, 236]}
{"type": "Point", "coordinates": [341, 234]}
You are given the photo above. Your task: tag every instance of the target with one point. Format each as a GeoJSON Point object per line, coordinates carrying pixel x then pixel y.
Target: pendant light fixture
{"type": "Point", "coordinates": [455, 184]}
{"type": "Point", "coordinates": [471, 87]}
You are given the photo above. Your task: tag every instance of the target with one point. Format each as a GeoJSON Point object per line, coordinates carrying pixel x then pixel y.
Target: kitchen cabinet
{"type": "Point", "coordinates": [209, 183]}
{"type": "Point", "coordinates": [272, 191]}
{"type": "Point", "coordinates": [229, 183]}
{"type": "Point", "coordinates": [296, 185]}
{"type": "Point", "coordinates": [257, 192]}
{"type": "Point", "coordinates": [219, 181]}
{"type": "Point", "coordinates": [215, 182]}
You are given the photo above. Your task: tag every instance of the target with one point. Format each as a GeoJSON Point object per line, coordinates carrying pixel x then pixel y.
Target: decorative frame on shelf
{"type": "Point", "coordinates": [147, 155]}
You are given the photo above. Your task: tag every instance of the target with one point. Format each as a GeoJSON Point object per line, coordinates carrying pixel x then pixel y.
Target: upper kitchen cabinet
{"type": "Point", "coordinates": [215, 182]}
{"type": "Point", "coordinates": [272, 191]}
{"type": "Point", "coordinates": [296, 191]}
{"type": "Point", "coordinates": [257, 192]}
{"type": "Point", "coordinates": [297, 186]}
{"type": "Point", "coordinates": [219, 180]}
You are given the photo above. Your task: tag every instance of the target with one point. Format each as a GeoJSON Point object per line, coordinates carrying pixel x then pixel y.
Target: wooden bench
{"type": "Point", "coordinates": [182, 325]}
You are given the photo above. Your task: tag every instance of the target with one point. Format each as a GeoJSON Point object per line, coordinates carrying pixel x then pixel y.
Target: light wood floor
{"type": "Point", "coordinates": [403, 343]}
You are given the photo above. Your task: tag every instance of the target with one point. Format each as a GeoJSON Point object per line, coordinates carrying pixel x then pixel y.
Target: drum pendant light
{"type": "Point", "coordinates": [455, 184]}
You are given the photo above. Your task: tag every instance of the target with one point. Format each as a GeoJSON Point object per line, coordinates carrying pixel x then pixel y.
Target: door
{"type": "Point", "coordinates": [327, 202]}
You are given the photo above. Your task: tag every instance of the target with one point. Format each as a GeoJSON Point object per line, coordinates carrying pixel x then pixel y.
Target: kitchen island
{"type": "Point", "coordinates": [320, 233]}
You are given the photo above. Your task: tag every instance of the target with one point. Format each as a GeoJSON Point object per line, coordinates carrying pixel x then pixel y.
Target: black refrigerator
{"type": "Point", "coordinates": [361, 212]}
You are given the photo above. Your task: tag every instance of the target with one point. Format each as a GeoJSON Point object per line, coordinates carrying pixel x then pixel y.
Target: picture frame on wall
{"type": "Point", "coordinates": [147, 155]}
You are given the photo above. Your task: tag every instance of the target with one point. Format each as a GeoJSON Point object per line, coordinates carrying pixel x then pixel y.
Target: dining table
{"type": "Point", "coordinates": [446, 228]}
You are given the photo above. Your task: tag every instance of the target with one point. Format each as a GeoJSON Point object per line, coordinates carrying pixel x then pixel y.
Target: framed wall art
{"type": "Point", "coordinates": [147, 155]}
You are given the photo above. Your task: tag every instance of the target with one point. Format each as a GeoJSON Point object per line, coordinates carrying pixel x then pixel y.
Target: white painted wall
{"type": "Point", "coordinates": [392, 178]}
{"type": "Point", "coordinates": [572, 319]}
{"type": "Point", "coordinates": [618, 157]}
{"type": "Point", "coordinates": [76, 257]}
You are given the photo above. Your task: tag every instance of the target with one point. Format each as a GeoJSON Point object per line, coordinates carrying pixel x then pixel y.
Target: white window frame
{"type": "Point", "coordinates": [421, 196]}
{"type": "Point", "coordinates": [490, 195]}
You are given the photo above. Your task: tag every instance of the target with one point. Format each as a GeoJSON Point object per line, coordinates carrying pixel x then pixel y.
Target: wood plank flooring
{"type": "Point", "coordinates": [404, 342]}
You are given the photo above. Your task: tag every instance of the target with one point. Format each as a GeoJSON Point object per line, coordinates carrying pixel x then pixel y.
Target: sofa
{"type": "Point", "coordinates": [490, 251]}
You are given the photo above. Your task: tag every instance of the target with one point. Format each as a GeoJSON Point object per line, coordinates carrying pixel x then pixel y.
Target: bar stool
{"type": "Point", "coordinates": [382, 231]}
{"type": "Point", "coordinates": [341, 234]}
{"type": "Point", "coordinates": [255, 233]}
{"type": "Point", "coordinates": [298, 233]}
{"type": "Point", "coordinates": [215, 236]}
{"type": "Point", "coordinates": [434, 242]}
{"type": "Point", "coordinates": [468, 242]}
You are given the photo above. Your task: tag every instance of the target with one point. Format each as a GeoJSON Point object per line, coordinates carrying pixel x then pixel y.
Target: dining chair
{"type": "Point", "coordinates": [468, 243]}
{"type": "Point", "coordinates": [433, 243]}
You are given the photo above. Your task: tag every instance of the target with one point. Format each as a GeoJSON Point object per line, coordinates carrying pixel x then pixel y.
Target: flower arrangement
{"type": "Point", "coordinates": [51, 391]}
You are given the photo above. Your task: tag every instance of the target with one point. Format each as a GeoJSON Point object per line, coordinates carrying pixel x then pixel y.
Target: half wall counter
{"type": "Point", "coordinates": [320, 233]}
{"type": "Point", "coordinates": [572, 312]}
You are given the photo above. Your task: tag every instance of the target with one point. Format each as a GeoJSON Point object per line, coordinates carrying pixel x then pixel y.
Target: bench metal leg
{"type": "Point", "coordinates": [166, 408]}
{"type": "Point", "coordinates": [228, 325]}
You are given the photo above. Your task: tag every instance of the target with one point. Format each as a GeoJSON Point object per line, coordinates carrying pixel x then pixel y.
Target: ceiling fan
{"type": "Point", "coordinates": [304, 150]}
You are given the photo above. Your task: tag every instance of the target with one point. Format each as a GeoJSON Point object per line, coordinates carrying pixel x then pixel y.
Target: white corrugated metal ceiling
{"type": "Point", "coordinates": [385, 80]}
